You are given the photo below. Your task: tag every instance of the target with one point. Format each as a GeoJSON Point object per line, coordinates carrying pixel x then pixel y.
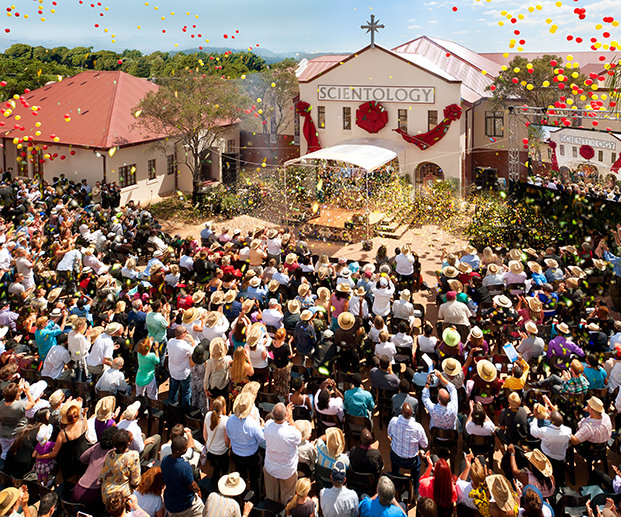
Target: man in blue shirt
{"type": "Point", "coordinates": [383, 504]}
{"type": "Point", "coordinates": [181, 495]}
{"type": "Point", "coordinates": [246, 436]}
{"type": "Point", "coordinates": [358, 401]}
{"type": "Point", "coordinates": [206, 234]}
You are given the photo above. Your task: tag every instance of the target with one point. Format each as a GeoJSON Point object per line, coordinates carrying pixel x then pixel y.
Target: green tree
{"type": "Point", "coordinates": [536, 85]}
{"type": "Point", "coordinates": [18, 50]}
{"type": "Point", "coordinates": [195, 110]}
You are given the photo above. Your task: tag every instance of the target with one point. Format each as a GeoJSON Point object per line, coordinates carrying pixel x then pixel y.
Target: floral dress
{"type": "Point", "coordinates": [197, 376]}
{"type": "Point", "coordinates": [120, 472]}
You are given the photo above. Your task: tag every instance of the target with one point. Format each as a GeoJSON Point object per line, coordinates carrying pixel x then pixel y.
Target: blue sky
{"type": "Point", "coordinates": [312, 26]}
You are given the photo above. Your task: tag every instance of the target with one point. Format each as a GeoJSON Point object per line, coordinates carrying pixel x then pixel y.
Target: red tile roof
{"type": "Point", "coordinates": [100, 104]}
{"type": "Point", "coordinates": [310, 69]}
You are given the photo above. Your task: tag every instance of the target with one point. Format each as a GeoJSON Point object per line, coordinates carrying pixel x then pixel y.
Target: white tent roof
{"type": "Point", "coordinates": [367, 153]}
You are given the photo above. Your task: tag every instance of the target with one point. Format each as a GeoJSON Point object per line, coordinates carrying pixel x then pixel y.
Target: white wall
{"type": "Point", "coordinates": [375, 67]}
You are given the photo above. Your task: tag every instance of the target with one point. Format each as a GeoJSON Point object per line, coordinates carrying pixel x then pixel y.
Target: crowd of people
{"type": "Point", "coordinates": [283, 372]}
{"type": "Point", "coordinates": [582, 186]}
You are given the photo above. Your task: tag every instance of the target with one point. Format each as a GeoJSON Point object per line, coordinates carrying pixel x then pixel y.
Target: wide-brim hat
{"type": "Point", "coordinates": [212, 318]}
{"type": "Point", "coordinates": [272, 233]}
{"type": "Point", "coordinates": [476, 332]}
{"type": "Point", "coordinates": [563, 328]}
{"type": "Point", "coordinates": [535, 267]}
{"type": "Point", "coordinates": [346, 320]}
{"type": "Point", "coordinates": [255, 281]}
{"type": "Point", "coordinates": [113, 328]}
{"type": "Point", "coordinates": [593, 327]}
{"type": "Point", "coordinates": [102, 280]}
{"type": "Point", "coordinates": [502, 492]}
{"type": "Point", "coordinates": [243, 405]}
{"type": "Point", "coordinates": [230, 296]}
{"type": "Point", "coordinates": [231, 484]}
{"type": "Point", "coordinates": [405, 249]}
{"type": "Point", "coordinates": [486, 370]}
{"type": "Point", "coordinates": [515, 254]}
{"type": "Point", "coordinates": [531, 327]}
{"type": "Point", "coordinates": [470, 250]}
{"type": "Point", "coordinates": [358, 292]}
{"type": "Point", "coordinates": [306, 315]}
{"type": "Point", "coordinates": [516, 267]}
{"type": "Point", "coordinates": [571, 249]}
{"type": "Point", "coordinates": [539, 460]}
{"type": "Point", "coordinates": [534, 304]}
{"type": "Point", "coordinates": [65, 407]}
{"type": "Point", "coordinates": [8, 498]}
{"type": "Point", "coordinates": [131, 411]}
{"type": "Point", "coordinates": [551, 263]}
{"type": "Point", "coordinates": [502, 301]}
{"type": "Point", "coordinates": [189, 315]}
{"type": "Point", "coordinates": [105, 408]}
{"type": "Point", "coordinates": [405, 295]}
{"type": "Point", "coordinates": [273, 286]}
{"type": "Point", "coordinates": [87, 270]}
{"type": "Point", "coordinates": [493, 268]}
{"type": "Point", "coordinates": [345, 272]}
{"type": "Point", "coordinates": [596, 404]}
{"type": "Point", "coordinates": [303, 289]}
{"type": "Point", "coordinates": [577, 272]}
{"type": "Point", "coordinates": [305, 427]}
{"type": "Point", "coordinates": [323, 293]}
{"type": "Point", "coordinates": [451, 366]}
{"type": "Point", "coordinates": [199, 296]}
{"type": "Point", "coordinates": [217, 298]}
{"type": "Point", "coordinates": [451, 337]}
{"type": "Point", "coordinates": [456, 285]}
{"type": "Point", "coordinates": [464, 268]}
{"type": "Point", "coordinates": [530, 251]}
{"type": "Point", "coordinates": [199, 354]}
{"type": "Point", "coordinates": [291, 258]}
{"type": "Point", "coordinates": [600, 264]}
{"type": "Point", "coordinates": [53, 295]}
{"type": "Point", "coordinates": [255, 244]}
{"type": "Point", "coordinates": [343, 287]}
{"type": "Point", "coordinates": [450, 272]}
{"type": "Point", "coordinates": [254, 334]}
{"type": "Point", "coordinates": [293, 306]}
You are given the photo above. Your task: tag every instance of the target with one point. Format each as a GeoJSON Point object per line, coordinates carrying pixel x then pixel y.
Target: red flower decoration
{"type": "Point", "coordinates": [587, 152]}
{"type": "Point", "coordinates": [452, 112]}
{"type": "Point", "coordinates": [371, 116]}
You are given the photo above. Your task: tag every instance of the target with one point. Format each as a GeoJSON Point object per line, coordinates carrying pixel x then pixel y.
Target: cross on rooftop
{"type": "Point", "coordinates": [372, 27]}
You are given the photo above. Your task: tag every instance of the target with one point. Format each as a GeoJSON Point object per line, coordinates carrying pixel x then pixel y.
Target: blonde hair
{"type": "Point", "coordinates": [302, 488]}
{"type": "Point", "coordinates": [238, 367]}
{"type": "Point", "coordinates": [120, 306]}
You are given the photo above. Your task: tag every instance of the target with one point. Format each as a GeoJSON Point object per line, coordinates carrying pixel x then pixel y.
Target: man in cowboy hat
{"type": "Point", "coordinates": [231, 486]}
{"type": "Point", "coordinates": [182, 494]}
{"type": "Point", "coordinates": [470, 256]}
{"type": "Point", "coordinates": [596, 428]}
{"type": "Point", "coordinates": [305, 335]}
{"type": "Point", "coordinates": [513, 423]}
{"type": "Point", "coordinates": [364, 458]}
{"type": "Point", "coordinates": [273, 244]}
{"type": "Point", "coordinates": [13, 498]}
{"type": "Point", "coordinates": [358, 304]}
{"type": "Point", "coordinates": [246, 436]}
{"type": "Point", "coordinates": [255, 290]}
{"type": "Point", "coordinates": [531, 346]}
{"type": "Point", "coordinates": [442, 415]}
{"type": "Point", "coordinates": [102, 350]}
{"type": "Point", "coordinates": [207, 235]}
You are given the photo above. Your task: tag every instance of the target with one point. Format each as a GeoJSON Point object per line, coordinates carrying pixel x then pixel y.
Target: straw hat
{"type": "Point", "coordinates": [361, 292]}
{"type": "Point", "coordinates": [451, 366]}
{"type": "Point", "coordinates": [255, 244]}
{"type": "Point", "coordinates": [551, 263]}
{"type": "Point", "coordinates": [572, 283]}
{"type": "Point", "coordinates": [231, 484]}
{"type": "Point", "coordinates": [345, 272]}
{"type": "Point", "coordinates": [54, 294]}
{"type": "Point", "coordinates": [290, 258]}
{"type": "Point", "coordinates": [102, 280]}
{"type": "Point", "coordinates": [251, 387]}
{"type": "Point", "coordinates": [8, 498]}
{"type": "Point", "coordinates": [306, 315]}
{"type": "Point", "coordinates": [516, 267]}
{"type": "Point", "coordinates": [600, 264]}
{"type": "Point", "coordinates": [451, 337]}
{"type": "Point", "coordinates": [405, 295]}
{"type": "Point", "coordinates": [539, 460]}
{"type": "Point", "coordinates": [530, 251]}
{"type": "Point", "coordinates": [502, 492]}
{"type": "Point", "coordinates": [470, 250]}
{"type": "Point", "coordinates": [476, 332]}
{"type": "Point", "coordinates": [343, 287]}
{"type": "Point", "coordinates": [562, 328]}
{"type": "Point", "coordinates": [502, 301]}
{"type": "Point", "coordinates": [189, 315]}
{"type": "Point", "coordinates": [540, 412]}
{"type": "Point", "coordinates": [131, 411]}
{"type": "Point", "coordinates": [230, 296]}
{"type": "Point", "coordinates": [596, 404]}
{"type": "Point", "coordinates": [593, 327]}
{"type": "Point", "coordinates": [273, 286]}
{"type": "Point", "coordinates": [577, 272]}
{"type": "Point", "coordinates": [323, 293]}
{"type": "Point", "coordinates": [65, 407]}
{"type": "Point", "coordinates": [105, 408]}
{"type": "Point", "coordinates": [254, 334]}
{"type": "Point", "coordinates": [113, 328]}
{"type": "Point", "coordinates": [493, 269]}
{"type": "Point", "coordinates": [293, 306]}
{"type": "Point", "coordinates": [464, 268]}
{"type": "Point", "coordinates": [305, 428]}
{"type": "Point", "coordinates": [571, 249]}
{"type": "Point", "coordinates": [303, 289]}
{"type": "Point", "coordinates": [335, 441]}
{"type": "Point", "coordinates": [199, 296]}
{"type": "Point", "coordinates": [450, 272]}
{"type": "Point", "coordinates": [346, 320]}
{"type": "Point", "coordinates": [212, 319]}
{"type": "Point", "coordinates": [534, 304]}
{"type": "Point", "coordinates": [535, 267]}
{"type": "Point", "coordinates": [217, 348]}
{"type": "Point", "coordinates": [255, 281]}
{"type": "Point", "coordinates": [247, 305]}
{"type": "Point", "coordinates": [272, 233]}
{"type": "Point", "coordinates": [456, 286]}
{"type": "Point", "coordinates": [531, 327]}
{"type": "Point", "coordinates": [243, 405]}
{"type": "Point", "coordinates": [486, 370]}
{"type": "Point", "coordinates": [515, 254]}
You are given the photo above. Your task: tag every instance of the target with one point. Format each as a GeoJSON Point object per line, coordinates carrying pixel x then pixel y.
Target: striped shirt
{"type": "Point", "coordinates": [219, 506]}
{"type": "Point", "coordinates": [594, 430]}
{"type": "Point", "coordinates": [406, 436]}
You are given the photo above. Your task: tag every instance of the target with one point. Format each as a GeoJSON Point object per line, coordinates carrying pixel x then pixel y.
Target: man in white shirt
{"type": "Point", "coordinates": [55, 361]}
{"type": "Point", "coordinates": [180, 350]}
{"type": "Point", "coordinates": [113, 379]}
{"type": "Point", "coordinates": [129, 421]}
{"type": "Point", "coordinates": [454, 312]}
{"type": "Point", "coordinates": [282, 438]}
{"type": "Point", "coordinates": [358, 305]}
{"type": "Point", "coordinates": [554, 442]}
{"type": "Point", "coordinates": [102, 350]}
{"type": "Point", "coordinates": [403, 309]}
{"type": "Point", "coordinates": [494, 276]}
{"type": "Point", "coordinates": [404, 263]}
{"type": "Point", "coordinates": [273, 315]}
{"type": "Point", "coordinates": [382, 293]}
{"type": "Point", "coordinates": [274, 245]}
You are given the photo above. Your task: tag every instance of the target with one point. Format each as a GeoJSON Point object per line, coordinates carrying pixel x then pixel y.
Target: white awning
{"type": "Point", "coordinates": [367, 153]}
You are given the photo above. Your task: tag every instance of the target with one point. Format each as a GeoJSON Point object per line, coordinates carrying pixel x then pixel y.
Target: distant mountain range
{"type": "Point", "coordinates": [268, 55]}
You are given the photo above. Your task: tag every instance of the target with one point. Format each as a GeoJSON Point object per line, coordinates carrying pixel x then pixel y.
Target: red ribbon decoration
{"type": "Point", "coordinates": [617, 165]}
{"type": "Point", "coordinates": [426, 140]}
{"type": "Point", "coordinates": [552, 146]}
{"type": "Point", "coordinates": [371, 116]}
{"type": "Point", "coordinates": [309, 130]}
{"type": "Point", "coordinates": [587, 152]}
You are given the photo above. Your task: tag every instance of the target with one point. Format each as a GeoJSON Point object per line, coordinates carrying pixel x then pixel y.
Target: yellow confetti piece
{"type": "Point", "coordinates": [112, 151]}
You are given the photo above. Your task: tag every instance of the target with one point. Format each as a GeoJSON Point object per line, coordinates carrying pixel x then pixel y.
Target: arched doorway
{"type": "Point", "coordinates": [427, 173]}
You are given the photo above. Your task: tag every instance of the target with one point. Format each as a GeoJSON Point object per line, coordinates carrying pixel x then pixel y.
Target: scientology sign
{"type": "Point", "coordinates": [593, 142]}
{"type": "Point", "coordinates": [409, 94]}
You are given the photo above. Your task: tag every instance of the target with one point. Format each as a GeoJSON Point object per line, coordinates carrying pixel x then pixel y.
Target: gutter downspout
{"type": "Point", "coordinates": [104, 168]}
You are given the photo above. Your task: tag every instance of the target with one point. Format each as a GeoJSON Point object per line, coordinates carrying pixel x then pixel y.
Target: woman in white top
{"type": "Point", "coordinates": [425, 342]}
{"type": "Point", "coordinates": [382, 293]}
{"type": "Point", "coordinates": [129, 270]}
{"type": "Point", "coordinates": [404, 263]}
{"type": "Point", "coordinates": [92, 261]}
{"type": "Point", "coordinates": [216, 440]}
{"type": "Point", "coordinates": [329, 401]}
{"type": "Point", "coordinates": [25, 266]}
{"type": "Point", "coordinates": [256, 345]}
{"type": "Point", "coordinates": [478, 423]}
{"type": "Point", "coordinates": [78, 344]}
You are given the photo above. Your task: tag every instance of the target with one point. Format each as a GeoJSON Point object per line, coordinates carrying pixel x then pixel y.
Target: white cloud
{"type": "Point", "coordinates": [432, 21]}
{"type": "Point", "coordinates": [411, 27]}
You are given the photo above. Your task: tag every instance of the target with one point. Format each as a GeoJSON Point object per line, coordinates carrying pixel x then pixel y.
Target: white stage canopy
{"type": "Point", "coordinates": [366, 153]}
